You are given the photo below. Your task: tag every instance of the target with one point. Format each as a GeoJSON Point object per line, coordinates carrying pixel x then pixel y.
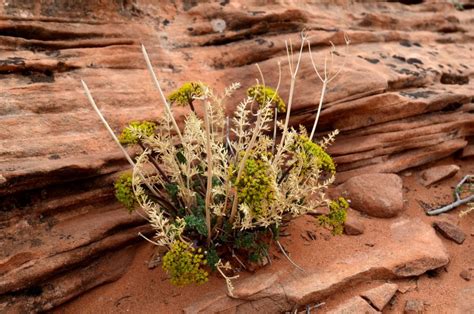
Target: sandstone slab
{"type": "Point", "coordinates": [436, 174]}
{"type": "Point", "coordinates": [468, 151]}
{"type": "Point", "coordinates": [354, 305]}
{"type": "Point", "coordinates": [450, 231]}
{"type": "Point", "coordinates": [380, 296]}
{"type": "Point", "coordinates": [378, 195]}
{"type": "Point", "coordinates": [414, 248]}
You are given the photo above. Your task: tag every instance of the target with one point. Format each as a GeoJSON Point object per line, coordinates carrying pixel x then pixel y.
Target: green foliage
{"type": "Point", "coordinates": [135, 130]}
{"type": "Point", "coordinates": [124, 191]}
{"type": "Point", "coordinates": [336, 217]}
{"type": "Point", "coordinates": [185, 264]}
{"type": "Point", "coordinates": [263, 94]}
{"type": "Point", "coordinates": [458, 5]}
{"type": "Point", "coordinates": [184, 95]}
{"type": "Point", "coordinates": [250, 241]}
{"type": "Point", "coordinates": [311, 152]}
{"type": "Point", "coordinates": [254, 187]}
{"type": "Point", "coordinates": [212, 258]}
{"type": "Point", "coordinates": [197, 223]}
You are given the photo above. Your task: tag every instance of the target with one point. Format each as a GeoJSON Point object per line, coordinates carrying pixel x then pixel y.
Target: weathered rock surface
{"type": "Point", "coordinates": [450, 231]}
{"type": "Point", "coordinates": [414, 248]}
{"type": "Point", "coordinates": [436, 174]}
{"type": "Point", "coordinates": [465, 274]}
{"type": "Point", "coordinates": [354, 305]}
{"type": "Point", "coordinates": [403, 99]}
{"type": "Point", "coordinates": [378, 195]}
{"type": "Point", "coordinates": [468, 151]}
{"type": "Point", "coordinates": [353, 224]}
{"type": "Point", "coordinates": [380, 296]}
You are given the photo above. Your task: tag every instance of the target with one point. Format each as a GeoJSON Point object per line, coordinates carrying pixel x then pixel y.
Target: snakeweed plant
{"type": "Point", "coordinates": [220, 188]}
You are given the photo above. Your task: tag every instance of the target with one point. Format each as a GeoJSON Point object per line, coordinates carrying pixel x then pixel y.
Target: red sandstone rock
{"type": "Point", "coordinates": [380, 296]}
{"type": "Point", "coordinates": [465, 274]}
{"type": "Point", "coordinates": [436, 174]}
{"type": "Point", "coordinates": [354, 305]}
{"type": "Point", "coordinates": [378, 195]}
{"type": "Point", "coordinates": [450, 231]}
{"type": "Point", "coordinates": [353, 224]}
{"type": "Point", "coordinates": [414, 248]}
{"type": "Point", "coordinates": [468, 151]}
{"type": "Point", "coordinates": [401, 101]}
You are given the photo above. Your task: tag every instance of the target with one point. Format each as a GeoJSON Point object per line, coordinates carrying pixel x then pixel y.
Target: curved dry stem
{"type": "Point", "coordinates": [106, 124]}
{"type": "Point", "coordinates": [163, 98]}
{"type": "Point", "coordinates": [286, 255]}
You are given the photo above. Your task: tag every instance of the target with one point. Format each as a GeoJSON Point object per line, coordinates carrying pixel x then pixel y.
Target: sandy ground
{"type": "Point", "coordinates": [142, 290]}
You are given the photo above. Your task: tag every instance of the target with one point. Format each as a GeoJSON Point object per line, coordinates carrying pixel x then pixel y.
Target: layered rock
{"type": "Point", "coordinates": [412, 250]}
{"type": "Point", "coordinates": [403, 99]}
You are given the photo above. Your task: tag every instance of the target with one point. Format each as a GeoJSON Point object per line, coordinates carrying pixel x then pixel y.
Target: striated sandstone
{"type": "Point", "coordinates": [404, 99]}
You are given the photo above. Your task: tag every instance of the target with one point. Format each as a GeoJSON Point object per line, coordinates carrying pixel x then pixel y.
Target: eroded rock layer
{"type": "Point", "coordinates": [403, 99]}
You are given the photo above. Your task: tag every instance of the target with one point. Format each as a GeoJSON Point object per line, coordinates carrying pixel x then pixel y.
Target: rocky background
{"type": "Point", "coordinates": [403, 99]}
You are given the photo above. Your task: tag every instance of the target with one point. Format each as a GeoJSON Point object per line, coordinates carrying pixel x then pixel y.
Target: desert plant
{"type": "Point", "coordinates": [221, 186]}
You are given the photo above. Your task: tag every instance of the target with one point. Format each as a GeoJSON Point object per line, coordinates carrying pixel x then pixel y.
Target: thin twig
{"type": "Point", "coordinates": [106, 124]}
{"type": "Point", "coordinates": [458, 200]}
{"type": "Point", "coordinates": [293, 74]}
{"type": "Point", "coordinates": [163, 98]}
{"type": "Point", "coordinates": [286, 255]}
{"type": "Point", "coordinates": [238, 260]}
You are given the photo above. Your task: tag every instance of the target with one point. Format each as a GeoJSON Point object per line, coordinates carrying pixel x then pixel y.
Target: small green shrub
{"type": "Point", "coordinates": [255, 187]}
{"type": "Point", "coordinates": [264, 94]}
{"type": "Point", "coordinates": [136, 130]}
{"type": "Point", "coordinates": [185, 264]}
{"type": "Point", "coordinates": [185, 95]}
{"type": "Point", "coordinates": [336, 217]}
{"type": "Point", "coordinates": [124, 191]}
{"type": "Point", "coordinates": [222, 184]}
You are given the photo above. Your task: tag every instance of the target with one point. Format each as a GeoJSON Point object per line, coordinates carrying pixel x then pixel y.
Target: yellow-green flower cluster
{"type": "Point", "coordinates": [255, 186]}
{"type": "Point", "coordinates": [184, 264]}
{"type": "Point", "coordinates": [129, 135]}
{"type": "Point", "coordinates": [263, 94]}
{"type": "Point", "coordinates": [312, 153]}
{"type": "Point", "coordinates": [337, 215]}
{"type": "Point", "coordinates": [124, 191]}
{"type": "Point", "coordinates": [184, 95]}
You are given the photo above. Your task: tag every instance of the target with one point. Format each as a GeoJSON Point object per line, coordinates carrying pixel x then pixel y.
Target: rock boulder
{"type": "Point", "coordinates": [377, 195]}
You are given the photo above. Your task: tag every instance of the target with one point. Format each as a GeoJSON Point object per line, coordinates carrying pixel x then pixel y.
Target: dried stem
{"type": "Point", "coordinates": [286, 255]}
{"type": "Point", "coordinates": [459, 201]}
{"type": "Point", "coordinates": [106, 124]}
{"type": "Point", "coordinates": [327, 78]}
{"type": "Point", "coordinates": [163, 98]}
{"type": "Point", "coordinates": [292, 87]}
{"type": "Point", "coordinates": [209, 171]}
